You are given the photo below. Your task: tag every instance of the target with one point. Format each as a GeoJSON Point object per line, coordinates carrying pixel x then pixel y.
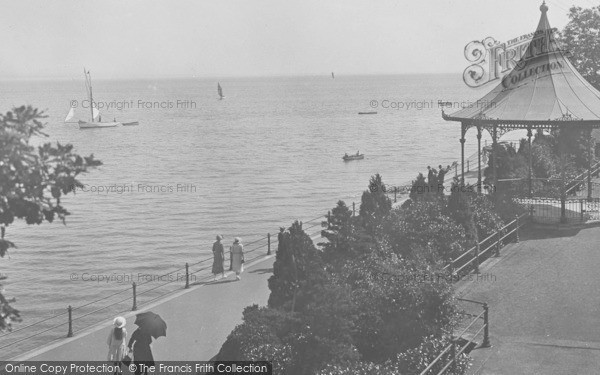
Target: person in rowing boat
{"type": "Point", "coordinates": [346, 155]}
{"type": "Point", "coordinates": [357, 153]}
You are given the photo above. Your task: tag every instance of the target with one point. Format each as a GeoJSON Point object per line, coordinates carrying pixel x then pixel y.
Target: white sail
{"type": "Point", "coordinates": [70, 114]}
{"type": "Point", "coordinates": [96, 113]}
{"type": "Point", "coordinates": [220, 91]}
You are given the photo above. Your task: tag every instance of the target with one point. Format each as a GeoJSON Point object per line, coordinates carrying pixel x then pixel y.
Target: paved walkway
{"type": "Point", "coordinates": [198, 319]}
{"type": "Point", "coordinates": [544, 305]}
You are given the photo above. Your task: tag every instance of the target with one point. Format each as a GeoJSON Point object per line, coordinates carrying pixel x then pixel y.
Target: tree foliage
{"type": "Point", "coordinates": [581, 38]}
{"type": "Point", "coordinates": [372, 299]}
{"type": "Point", "coordinates": [33, 179]}
{"type": "Point", "coordinates": [397, 303]}
{"type": "Point", "coordinates": [421, 230]}
{"type": "Point", "coordinates": [297, 272]}
{"type": "Point", "coordinates": [346, 238]}
{"type": "Point", "coordinates": [375, 204]}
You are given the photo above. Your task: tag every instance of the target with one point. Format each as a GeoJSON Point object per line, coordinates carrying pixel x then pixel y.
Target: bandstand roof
{"type": "Point", "coordinates": [542, 89]}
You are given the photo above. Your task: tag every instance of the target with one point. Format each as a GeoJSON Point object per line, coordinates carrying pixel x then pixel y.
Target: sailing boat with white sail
{"type": "Point", "coordinates": [220, 91]}
{"type": "Point", "coordinates": [95, 121]}
{"type": "Point", "coordinates": [70, 116]}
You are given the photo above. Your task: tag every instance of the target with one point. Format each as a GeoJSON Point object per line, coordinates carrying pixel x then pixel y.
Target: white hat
{"type": "Point", "coordinates": [237, 240]}
{"type": "Point", "coordinates": [119, 322]}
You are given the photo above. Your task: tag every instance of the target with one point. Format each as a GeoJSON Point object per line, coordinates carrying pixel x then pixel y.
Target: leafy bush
{"type": "Point", "coordinates": [397, 303]}
{"type": "Point", "coordinates": [422, 225]}
{"type": "Point", "coordinates": [258, 338]}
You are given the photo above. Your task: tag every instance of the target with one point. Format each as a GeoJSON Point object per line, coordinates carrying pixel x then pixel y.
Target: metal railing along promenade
{"type": "Point", "coordinates": [463, 342]}
{"type": "Point", "coordinates": [466, 263]}
{"type": "Point", "coordinates": [470, 260]}
{"type": "Point", "coordinates": [137, 295]}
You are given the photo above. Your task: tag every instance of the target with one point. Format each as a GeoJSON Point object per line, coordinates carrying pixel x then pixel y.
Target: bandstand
{"type": "Point", "coordinates": [543, 91]}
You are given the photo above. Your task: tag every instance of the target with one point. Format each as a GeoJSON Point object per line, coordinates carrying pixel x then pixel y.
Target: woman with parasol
{"type": "Point", "coordinates": [150, 325]}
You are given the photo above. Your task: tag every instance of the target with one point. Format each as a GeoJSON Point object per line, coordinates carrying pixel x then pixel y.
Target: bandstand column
{"type": "Point", "coordinates": [563, 187]}
{"type": "Point", "coordinates": [530, 161]}
{"type": "Point", "coordinates": [494, 150]}
{"type": "Point", "coordinates": [479, 159]}
{"type": "Point", "coordinates": [462, 153]}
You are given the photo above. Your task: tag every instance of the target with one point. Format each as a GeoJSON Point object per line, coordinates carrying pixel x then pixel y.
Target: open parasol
{"type": "Point", "coordinates": [151, 323]}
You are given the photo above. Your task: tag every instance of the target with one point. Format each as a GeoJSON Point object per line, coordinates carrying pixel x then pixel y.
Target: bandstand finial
{"type": "Point", "coordinates": [544, 7]}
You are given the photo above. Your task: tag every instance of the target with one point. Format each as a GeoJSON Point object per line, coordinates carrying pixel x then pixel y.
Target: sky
{"type": "Point", "coordinates": [223, 38]}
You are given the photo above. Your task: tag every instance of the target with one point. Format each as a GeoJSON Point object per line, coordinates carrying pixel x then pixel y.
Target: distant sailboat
{"type": "Point", "coordinates": [220, 91]}
{"type": "Point", "coordinates": [332, 75]}
{"type": "Point", "coordinates": [96, 120]}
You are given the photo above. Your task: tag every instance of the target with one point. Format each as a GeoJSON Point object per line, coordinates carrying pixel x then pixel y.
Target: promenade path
{"type": "Point", "coordinates": [544, 301]}
{"type": "Point", "coordinates": [198, 319]}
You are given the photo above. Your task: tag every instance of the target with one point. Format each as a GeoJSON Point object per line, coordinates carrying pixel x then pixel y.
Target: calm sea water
{"type": "Point", "coordinates": [266, 155]}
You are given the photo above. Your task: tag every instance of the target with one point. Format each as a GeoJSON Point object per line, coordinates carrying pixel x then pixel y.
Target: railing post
{"type": "Point", "coordinates": [268, 243]}
{"type": "Point", "coordinates": [517, 228]}
{"type": "Point", "coordinates": [497, 254]}
{"type": "Point", "coordinates": [187, 276]}
{"type": "Point", "coordinates": [581, 208]}
{"type": "Point", "coordinates": [134, 307]}
{"type": "Point", "coordinates": [70, 310]}
{"type": "Point", "coordinates": [395, 194]}
{"type": "Point", "coordinates": [477, 257]}
{"type": "Point", "coordinates": [453, 354]}
{"type": "Point", "coordinates": [531, 210]}
{"type": "Point", "coordinates": [486, 330]}
{"type": "Point", "coordinates": [468, 166]}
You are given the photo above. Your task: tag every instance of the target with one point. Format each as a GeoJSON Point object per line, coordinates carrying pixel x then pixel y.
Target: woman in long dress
{"type": "Point", "coordinates": [219, 257]}
{"type": "Point", "coordinates": [116, 341]}
{"type": "Point", "coordinates": [237, 257]}
{"type": "Point", "coordinates": [142, 352]}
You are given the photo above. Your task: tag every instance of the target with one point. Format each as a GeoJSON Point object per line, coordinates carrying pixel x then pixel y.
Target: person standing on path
{"type": "Point", "coordinates": [219, 257]}
{"type": "Point", "coordinates": [237, 257]}
{"type": "Point", "coordinates": [116, 342]}
{"type": "Point", "coordinates": [142, 352]}
{"type": "Point", "coordinates": [280, 238]}
{"type": "Point", "coordinates": [442, 176]}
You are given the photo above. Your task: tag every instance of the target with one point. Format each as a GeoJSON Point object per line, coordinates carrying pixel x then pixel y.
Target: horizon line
{"type": "Point", "coordinates": [46, 78]}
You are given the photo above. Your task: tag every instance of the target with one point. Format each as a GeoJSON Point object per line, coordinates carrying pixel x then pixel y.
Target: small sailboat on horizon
{"type": "Point", "coordinates": [96, 119]}
{"type": "Point", "coordinates": [220, 91]}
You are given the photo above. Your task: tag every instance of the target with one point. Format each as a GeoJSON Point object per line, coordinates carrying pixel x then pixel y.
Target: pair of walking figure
{"type": "Point", "coordinates": [236, 257]}
{"type": "Point", "coordinates": [139, 345]}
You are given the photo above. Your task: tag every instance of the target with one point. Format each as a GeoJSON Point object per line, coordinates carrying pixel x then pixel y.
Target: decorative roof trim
{"type": "Point", "coordinates": [563, 121]}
